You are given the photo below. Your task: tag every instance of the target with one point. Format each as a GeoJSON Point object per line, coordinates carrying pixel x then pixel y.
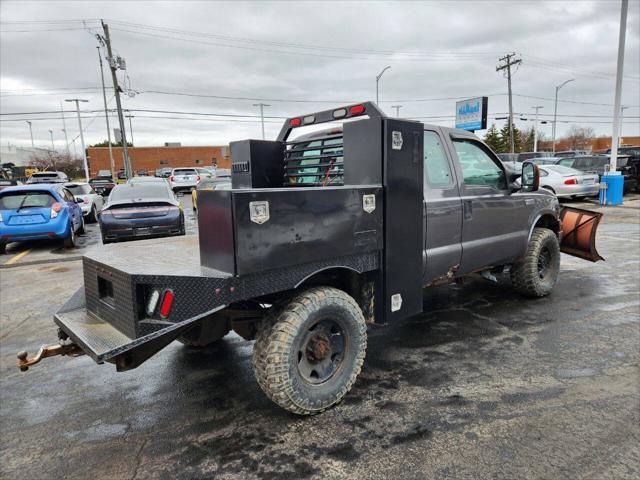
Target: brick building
{"type": "Point", "coordinates": [153, 158]}
{"type": "Point", "coordinates": [595, 145]}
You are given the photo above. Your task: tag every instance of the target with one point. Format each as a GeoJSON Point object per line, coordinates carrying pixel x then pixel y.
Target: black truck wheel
{"type": "Point", "coordinates": [206, 332]}
{"type": "Point", "coordinates": [536, 274]}
{"type": "Point", "coordinates": [308, 353]}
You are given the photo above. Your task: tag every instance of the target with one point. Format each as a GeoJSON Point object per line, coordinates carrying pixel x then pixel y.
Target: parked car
{"type": "Point", "coordinates": [633, 161]}
{"type": "Point", "coordinates": [568, 182]}
{"type": "Point", "coordinates": [122, 177]}
{"type": "Point", "coordinates": [204, 172]}
{"type": "Point", "coordinates": [7, 182]}
{"type": "Point", "coordinates": [38, 212]}
{"type": "Point", "coordinates": [104, 174]}
{"type": "Point", "coordinates": [597, 164]}
{"type": "Point", "coordinates": [89, 200]}
{"type": "Point", "coordinates": [222, 181]}
{"type": "Point", "coordinates": [165, 172]}
{"type": "Point", "coordinates": [141, 210]}
{"type": "Point", "coordinates": [184, 179]}
{"type": "Point", "coordinates": [508, 157]}
{"type": "Point", "coordinates": [142, 173]}
{"type": "Point", "coordinates": [48, 177]}
{"type": "Point", "coordinates": [102, 186]}
{"type": "Point", "coordinates": [570, 153]}
{"type": "Point", "coordinates": [544, 160]}
{"type": "Point", "coordinates": [147, 180]}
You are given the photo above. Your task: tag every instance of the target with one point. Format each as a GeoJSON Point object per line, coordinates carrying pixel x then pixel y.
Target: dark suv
{"type": "Point", "coordinates": [633, 162]}
{"type": "Point", "coordinates": [597, 164]}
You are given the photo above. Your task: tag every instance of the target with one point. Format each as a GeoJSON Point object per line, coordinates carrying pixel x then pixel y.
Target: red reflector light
{"type": "Point", "coordinates": [571, 181]}
{"type": "Point", "coordinates": [171, 178]}
{"type": "Point", "coordinates": [56, 207]}
{"type": "Point", "coordinates": [295, 122]}
{"type": "Point", "coordinates": [356, 110]}
{"type": "Point", "coordinates": [167, 303]}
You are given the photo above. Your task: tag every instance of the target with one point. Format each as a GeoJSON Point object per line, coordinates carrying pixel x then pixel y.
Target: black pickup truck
{"type": "Point", "coordinates": [321, 235]}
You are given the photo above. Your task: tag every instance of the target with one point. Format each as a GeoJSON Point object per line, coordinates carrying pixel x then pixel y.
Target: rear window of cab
{"type": "Point", "coordinates": [32, 199]}
{"type": "Point", "coordinates": [185, 171]}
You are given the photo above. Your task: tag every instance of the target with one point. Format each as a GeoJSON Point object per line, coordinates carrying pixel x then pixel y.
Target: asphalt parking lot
{"type": "Point", "coordinates": [485, 384]}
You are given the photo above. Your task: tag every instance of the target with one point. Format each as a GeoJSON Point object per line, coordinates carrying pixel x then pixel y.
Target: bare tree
{"type": "Point", "coordinates": [58, 162]}
{"type": "Point", "coordinates": [578, 138]}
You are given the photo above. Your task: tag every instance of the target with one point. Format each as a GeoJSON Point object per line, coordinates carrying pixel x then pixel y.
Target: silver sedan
{"type": "Point", "coordinates": [568, 182]}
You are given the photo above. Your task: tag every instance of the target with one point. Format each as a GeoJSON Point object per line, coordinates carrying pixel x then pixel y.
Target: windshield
{"type": "Point", "coordinates": [184, 171]}
{"type": "Point", "coordinates": [563, 170]}
{"type": "Point", "coordinates": [79, 189]}
{"type": "Point", "coordinates": [139, 191]}
{"type": "Point", "coordinates": [33, 199]}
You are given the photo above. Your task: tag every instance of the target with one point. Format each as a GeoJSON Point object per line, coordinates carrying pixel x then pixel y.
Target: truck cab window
{"type": "Point", "coordinates": [478, 169]}
{"type": "Point", "coordinates": [437, 171]}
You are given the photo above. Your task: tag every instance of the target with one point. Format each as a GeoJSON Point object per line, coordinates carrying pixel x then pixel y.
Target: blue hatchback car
{"type": "Point", "coordinates": [39, 211]}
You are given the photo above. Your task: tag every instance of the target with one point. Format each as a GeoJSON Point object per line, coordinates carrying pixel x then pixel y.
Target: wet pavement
{"type": "Point", "coordinates": [486, 384]}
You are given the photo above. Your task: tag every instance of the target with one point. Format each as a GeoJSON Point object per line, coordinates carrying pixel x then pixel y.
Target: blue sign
{"type": "Point", "coordinates": [472, 114]}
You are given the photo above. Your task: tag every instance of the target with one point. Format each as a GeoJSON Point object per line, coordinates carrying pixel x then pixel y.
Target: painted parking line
{"type": "Point", "coordinates": [17, 257]}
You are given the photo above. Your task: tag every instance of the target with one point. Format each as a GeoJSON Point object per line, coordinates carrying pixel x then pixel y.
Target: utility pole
{"type": "Point", "coordinates": [106, 114]}
{"type": "Point", "coordinates": [129, 116]}
{"type": "Point", "coordinates": [615, 137]}
{"type": "Point", "coordinates": [397, 107]}
{"type": "Point", "coordinates": [114, 64]}
{"type": "Point", "coordinates": [84, 151]}
{"type": "Point", "coordinates": [555, 114]}
{"type": "Point", "coordinates": [378, 77]}
{"type": "Point", "coordinates": [622, 109]}
{"type": "Point", "coordinates": [535, 128]}
{"type": "Point", "coordinates": [31, 133]}
{"type": "Point", "coordinates": [64, 129]}
{"type": "Point", "coordinates": [509, 61]}
{"type": "Point", "coordinates": [53, 151]}
{"type": "Point", "coordinates": [261, 105]}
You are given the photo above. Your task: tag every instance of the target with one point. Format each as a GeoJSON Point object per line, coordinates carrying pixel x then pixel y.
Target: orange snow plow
{"type": "Point", "coordinates": [579, 233]}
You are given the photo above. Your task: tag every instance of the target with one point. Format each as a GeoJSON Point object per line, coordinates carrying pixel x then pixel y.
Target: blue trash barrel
{"type": "Point", "coordinates": [612, 194]}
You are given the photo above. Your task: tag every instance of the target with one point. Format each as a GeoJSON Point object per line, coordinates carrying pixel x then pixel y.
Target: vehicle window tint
{"type": "Point", "coordinates": [437, 171]}
{"type": "Point", "coordinates": [80, 189]}
{"type": "Point", "coordinates": [66, 195]}
{"type": "Point", "coordinates": [15, 200]}
{"type": "Point", "coordinates": [478, 168]}
{"type": "Point", "coordinates": [567, 162]}
{"type": "Point", "coordinates": [543, 173]}
{"type": "Point", "coordinates": [185, 171]}
{"type": "Point", "coordinates": [137, 191]}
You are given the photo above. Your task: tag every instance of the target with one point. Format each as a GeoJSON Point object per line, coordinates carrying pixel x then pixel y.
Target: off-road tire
{"type": "Point", "coordinates": [276, 349]}
{"type": "Point", "coordinates": [526, 274]}
{"type": "Point", "coordinates": [93, 215]}
{"type": "Point", "coordinates": [206, 333]}
{"type": "Point", "coordinates": [70, 241]}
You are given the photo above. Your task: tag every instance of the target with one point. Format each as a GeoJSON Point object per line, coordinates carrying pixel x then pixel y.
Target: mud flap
{"type": "Point", "coordinates": [579, 233]}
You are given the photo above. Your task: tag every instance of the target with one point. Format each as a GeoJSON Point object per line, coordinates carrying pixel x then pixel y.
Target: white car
{"type": "Point", "coordinates": [568, 182]}
{"type": "Point", "coordinates": [89, 201]}
{"type": "Point", "coordinates": [184, 178]}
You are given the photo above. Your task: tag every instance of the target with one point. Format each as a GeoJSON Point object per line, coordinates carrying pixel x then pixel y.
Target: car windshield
{"type": "Point", "coordinates": [33, 199]}
{"type": "Point", "coordinates": [79, 189]}
{"type": "Point", "coordinates": [184, 171]}
{"type": "Point", "coordinates": [45, 175]}
{"type": "Point", "coordinates": [139, 191]}
{"type": "Point", "coordinates": [563, 170]}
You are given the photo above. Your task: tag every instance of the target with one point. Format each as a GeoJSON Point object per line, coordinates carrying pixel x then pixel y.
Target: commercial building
{"type": "Point", "coordinates": [153, 158]}
{"type": "Point", "coordinates": [20, 156]}
{"type": "Point", "coordinates": [595, 145]}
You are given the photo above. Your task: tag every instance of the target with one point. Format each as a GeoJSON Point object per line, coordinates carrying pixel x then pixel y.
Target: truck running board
{"type": "Point", "coordinates": [579, 233]}
{"type": "Point", "coordinates": [104, 343]}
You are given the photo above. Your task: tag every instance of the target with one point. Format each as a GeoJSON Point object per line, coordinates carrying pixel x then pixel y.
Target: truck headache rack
{"type": "Point", "coordinates": [316, 161]}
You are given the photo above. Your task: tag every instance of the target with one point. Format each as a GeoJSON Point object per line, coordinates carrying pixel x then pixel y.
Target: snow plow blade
{"type": "Point", "coordinates": [579, 233]}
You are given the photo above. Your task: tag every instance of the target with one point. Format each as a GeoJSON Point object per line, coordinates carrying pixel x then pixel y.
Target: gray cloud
{"type": "Point", "coordinates": [558, 40]}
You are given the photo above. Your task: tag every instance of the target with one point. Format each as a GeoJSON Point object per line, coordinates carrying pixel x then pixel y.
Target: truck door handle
{"type": "Point", "coordinates": [467, 208]}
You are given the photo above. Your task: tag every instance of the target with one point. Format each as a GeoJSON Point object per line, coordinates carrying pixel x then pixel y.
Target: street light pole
{"type": "Point", "coordinates": [535, 129]}
{"type": "Point", "coordinates": [555, 114]}
{"type": "Point", "coordinates": [84, 152]}
{"type": "Point", "coordinates": [53, 151]}
{"type": "Point", "coordinates": [64, 129]}
{"type": "Point", "coordinates": [31, 133]}
{"type": "Point", "coordinates": [397, 107]}
{"type": "Point", "coordinates": [615, 137]}
{"type": "Point", "coordinates": [261, 105]}
{"type": "Point", "coordinates": [378, 77]}
{"type": "Point", "coordinates": [129, 116]}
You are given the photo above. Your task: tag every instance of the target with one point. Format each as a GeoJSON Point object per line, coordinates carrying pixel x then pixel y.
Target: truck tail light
{"type": "Point", "coordinates": [55, 209]}
{"type": "Point", "coordinates": [153, 302]}
{"type": "Point", "coordinates": [167, 303]}
{"type": "Point", "coordinates": [571, 181]}
{"type": "Point", "coordinates": [356, 110]}
{"type": "Point", "coordinates": [295, 122]}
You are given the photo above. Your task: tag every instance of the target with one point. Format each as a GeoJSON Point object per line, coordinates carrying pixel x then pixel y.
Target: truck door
{"type": "Point", "coordinates": [442, 210]}
{"type": "Point", "coordinates": [491, 234]}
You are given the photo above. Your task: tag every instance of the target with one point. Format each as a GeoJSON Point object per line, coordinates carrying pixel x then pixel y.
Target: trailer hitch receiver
{"type": "Point", "coordinates": [71, 349]}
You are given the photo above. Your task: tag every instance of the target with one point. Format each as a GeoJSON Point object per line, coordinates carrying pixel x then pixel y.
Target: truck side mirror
{"type": "Point", "coordinates": [530, 179]}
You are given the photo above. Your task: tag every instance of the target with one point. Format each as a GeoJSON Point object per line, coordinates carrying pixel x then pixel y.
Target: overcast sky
{"type": "Point", "coordinates": [303, 57]}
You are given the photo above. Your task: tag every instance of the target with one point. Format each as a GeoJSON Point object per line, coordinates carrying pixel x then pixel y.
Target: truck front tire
{"type": "Point", "coordinates": [536, 274]}
{"type": "Point", "coordinates": [308, 353]}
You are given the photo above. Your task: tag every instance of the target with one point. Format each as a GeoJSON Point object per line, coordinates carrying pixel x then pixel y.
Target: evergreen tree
{"type": "Point", "coordinates": [527, 138]}
{"type": "Point", "coordinates": [504, 135]}
{"type": "Point", "coordinates": [492, 138]}
{"type": "Point", "coordinates": [105, 143]}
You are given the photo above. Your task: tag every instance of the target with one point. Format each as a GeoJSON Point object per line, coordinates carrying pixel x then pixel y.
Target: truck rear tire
{"type": "Point", "coordinates": [536, 274]}
{"type": "Point", "coordinates": [308, 354]}
{"type": "Point", "coordinates": [206, 332]}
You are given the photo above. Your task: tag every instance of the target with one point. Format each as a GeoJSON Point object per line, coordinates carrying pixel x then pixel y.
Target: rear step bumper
{"type": "Point", "coordinates": [105, 343]}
